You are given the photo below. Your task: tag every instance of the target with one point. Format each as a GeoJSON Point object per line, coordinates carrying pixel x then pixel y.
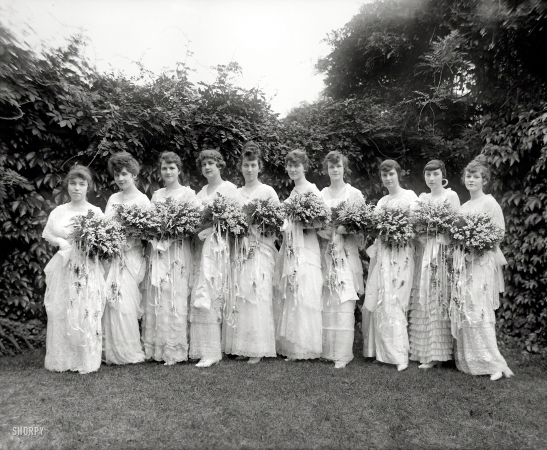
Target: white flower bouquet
{"type": "Point", "coordinates": [97, 236]}
{"type": "Point", "coordinates": [476, 233]}
{"type": "Point", "coordinates": [394, 226]}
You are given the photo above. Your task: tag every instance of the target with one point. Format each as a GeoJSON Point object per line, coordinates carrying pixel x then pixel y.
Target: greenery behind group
{"type": "Point", "coordinates": [409, 81]}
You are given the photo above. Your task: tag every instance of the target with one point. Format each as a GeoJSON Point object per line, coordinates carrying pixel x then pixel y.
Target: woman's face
{"type": "Point", "coordinates": [209, 169]}
{"type": "Point", "coordinates": [336, 171]}
{"type": "Point", "coordinates": [77, 189]}
{"type": "Point", "coordinates": [124, 179]}
{"type": "Point", "coordinates": [250, 170]}
{"type": "Point", "coordinates": [169, 172]}
{"type": "Point", "coordinates": [390, 179]}
{"type": "Point", "coordinates": [474, 181]}
{"type": "Point", "coordinates": [433, 178]}
{"type": "Point", "coordinates": [295, 170]}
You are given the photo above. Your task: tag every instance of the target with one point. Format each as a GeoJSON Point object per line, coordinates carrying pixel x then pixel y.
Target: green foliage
{"type": "Point", "coordinates": [516, 147]}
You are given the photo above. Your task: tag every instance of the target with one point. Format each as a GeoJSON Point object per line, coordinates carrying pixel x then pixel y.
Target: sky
{"type": "Point", "coordinates": [276, 42]}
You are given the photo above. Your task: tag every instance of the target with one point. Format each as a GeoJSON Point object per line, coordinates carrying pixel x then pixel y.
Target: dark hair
{"type": "Point", "coordinates": [335, 157]}
{"type": "Point", "coordinates": [123, 160]}
{"type": "Point", "coordinates": [171, 158]}
{"type": "Point", "coordinates": [298, 157]}
{"type": "Point", "coordinates": [435, 164]}
{"type": "Point", "coordinates": [211, 154]}
{"type": "Point", "coordinates": [79, 171]}
{"type": "Point", "coordinates": [389, 165]}
{"type": "Point", "coordinates": [251, 152]}
{"type": "Point", "coordinates": [478, 166]}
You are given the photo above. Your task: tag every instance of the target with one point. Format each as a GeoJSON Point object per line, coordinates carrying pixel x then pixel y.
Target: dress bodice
{"type": "Point", "coordinates": [406, 199]}
{"type": "Point", "coordinates": [184, 193]}
{"type": "Point", "coordinates": [448, 195]}
{"type": "Point", "coordinates": [116, 199]}
{"type": "Point", "coordinates": [263, 191]}
{"type": "Point", "coordinates": [486, 204]}
{"type": "Point", "coordinates": [310, 187]}
{"type": "Point", "coordinates": [349, 193]}
{"type": "Point", "coordinates": [226, 188]}
{"type": "Point", "coordinates": [59, 222]}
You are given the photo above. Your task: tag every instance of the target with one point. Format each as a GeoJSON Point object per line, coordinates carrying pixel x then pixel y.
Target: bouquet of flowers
{"type": "Point", "coordinates": [394, 226]}
{"type": "Point", "coordinates": [476, 233]}
{"type": "Point", "coordinates": [308, 209]}
{"type": "Point", "coordinates": [355, 216]}
{"type": "Point", "coordinates": [138, 222]}
{"type": "Point", "coordinates": [176, 219]}
{"type": "Point", "coordinates": [225, 214]}
{"type": "Point", "coordinates": [97, 236]}
{"type": "Point", "coordinates": [267, 214]}
{"type": "Point", "coordinates": [434, 218]}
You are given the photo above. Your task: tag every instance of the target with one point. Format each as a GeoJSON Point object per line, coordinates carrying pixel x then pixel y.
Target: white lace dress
{"type": "Point", "coordinates": [207, 302]}
{"type": "Point", "coordinates": [69, 345]}
{"type": "Point", "coordinates": [339, 304]}
{"type": "Point", "coordinates": [387, 294]}
{"type": "Point", "coordinates": [429, 321]}
{"type": "Point", "coordinates": [477, 286]}
{"type": "Point", "coordinates": [122, 344]}
{"type": "Point", "coordinates": [253, 332]}
{"type": "Point", "coordinates": [164, 326]}
{"type": "Point", "coordinates": [298, 312]}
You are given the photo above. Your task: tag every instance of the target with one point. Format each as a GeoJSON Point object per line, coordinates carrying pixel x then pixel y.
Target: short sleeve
{"type": "Point", "coordinates": [355, 195]}
{"type": "Point", "coordinates": [454, 200]}
{"type": "Point", "coordinates": [142, 200]}
{"type": "Point", "coordinates": [496, 211]}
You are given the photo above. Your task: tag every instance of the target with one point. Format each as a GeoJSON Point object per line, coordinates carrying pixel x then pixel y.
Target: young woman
{"type": "Point", "coordinates": [389, 282]}
{"type": "Point", "coordinates": [207, 302]}
{"type": "Point", "coordinates": [122, 344]}
{"type": "Point", "coordinates": [253, 333]}
{"type": "Point", "coordinates": [299, 320]}
{"type": "Point", "coordinates": [166, 298]}
{"type": "Point", "coordinates": [474, 325]}
{"type": "Point", "coordinates": [431, 340]}
{"type": "Point", "coordinates": [339, 304]}
{"type": "Point", "coordinates": [66, 349]}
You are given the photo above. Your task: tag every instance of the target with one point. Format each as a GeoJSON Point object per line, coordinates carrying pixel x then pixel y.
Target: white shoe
{"type": "Point", "coordinates": [289, 359]}
{"type": "Point", "coordinates": [496, 376]}
{"type": "Point", "coordinates": [508, 373]}
{"type": "Point", "coordinates": [207, 362]}
{"type": "Point", "coordinates": [254, 360]}
{"type": "Point", "coordinates": [401, 367]}
{"type": "Point", "coordinates": [169, 363]}
{"type": "Point", "coordinates": [340, 364]}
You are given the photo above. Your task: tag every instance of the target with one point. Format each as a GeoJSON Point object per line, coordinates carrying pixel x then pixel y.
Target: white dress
{"type": "Point", "coordinates": [298, 312]}
{"type": "Point", "coordinates": [122, 344]}
{"type": "Point", "coordinates": [253, 332]}
{"type": "Point", "coordinates": [164, 326]}
{"type": "Point", "coordinates": [429, 321]}
{"type": "Point", "coordinates": [70, 346]}
{"type": "Point", "coordinates": [477, 287]}
{"type": "Point", "coordinates": [207, 302]}
{"type": "Point", "coordinates": [387, 293]}
{"type": "Point", "coordinates": [339, 304]}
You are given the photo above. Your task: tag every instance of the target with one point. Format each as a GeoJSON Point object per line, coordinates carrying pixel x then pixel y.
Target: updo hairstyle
{"type": "Point", "coordinates": [79, 171]}
{"type": "Point", "coordinates": [251, 152]}
{"type": "Point", "coordinates": [123, 160]}
{"type": "Point", "coordinates": [335, 157]}
{"type": "Point", "coordinates": [171, 158]}
{"type": "Point", "coordinates": [211, 154]}
{"type": "Point", "coordinates": [298, 157]}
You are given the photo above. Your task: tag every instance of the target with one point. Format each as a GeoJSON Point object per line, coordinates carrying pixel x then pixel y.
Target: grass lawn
{"type": "Point", "coordinates": [273, 404]}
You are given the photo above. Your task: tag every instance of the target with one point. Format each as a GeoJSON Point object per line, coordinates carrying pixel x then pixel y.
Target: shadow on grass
{"type": "Point", "coordinates": [273, 404]}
